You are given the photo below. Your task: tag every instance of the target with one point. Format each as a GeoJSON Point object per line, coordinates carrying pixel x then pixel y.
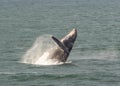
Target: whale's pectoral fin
{"type": "Point", "coordinates": [59, 44]}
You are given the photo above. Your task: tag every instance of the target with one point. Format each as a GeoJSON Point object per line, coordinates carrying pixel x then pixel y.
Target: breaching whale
{"type": "Point", "coordinates": [50, 55]}
{"type": "Point", "coordinates": [64, 47]}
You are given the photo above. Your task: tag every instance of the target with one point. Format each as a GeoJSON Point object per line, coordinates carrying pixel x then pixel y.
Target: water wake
{"type": "Point", "coordinates": [107, 54]}
{"type": "Point", "coordinates": [38, 53]}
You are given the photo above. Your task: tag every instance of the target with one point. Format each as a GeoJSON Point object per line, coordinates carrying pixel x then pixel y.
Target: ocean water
{"type": "Point", "coordinates": [95, 58]}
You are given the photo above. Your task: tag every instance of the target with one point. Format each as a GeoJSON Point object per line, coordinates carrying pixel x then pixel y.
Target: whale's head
{"type": "Point", "coordinates": [65, 45]}
{"type": "Point", "coordinates": [69, 39]}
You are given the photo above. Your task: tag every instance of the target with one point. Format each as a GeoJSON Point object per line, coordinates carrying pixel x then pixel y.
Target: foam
{"type": "Point", "coordinates": [38, 54]}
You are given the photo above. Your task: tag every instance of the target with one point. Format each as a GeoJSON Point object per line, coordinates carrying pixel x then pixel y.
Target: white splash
{"type": "Point", "coordinates": [38, 54]}
{"type": "Point", "coordinates": [44, 60]}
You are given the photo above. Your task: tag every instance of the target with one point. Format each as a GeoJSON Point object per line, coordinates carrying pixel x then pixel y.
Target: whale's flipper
{"type": "Point", "coordinates": [60, 44]}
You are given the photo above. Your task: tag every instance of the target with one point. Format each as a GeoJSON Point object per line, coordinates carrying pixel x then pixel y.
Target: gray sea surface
{"type": "Point", "coordinates": [95, 58]}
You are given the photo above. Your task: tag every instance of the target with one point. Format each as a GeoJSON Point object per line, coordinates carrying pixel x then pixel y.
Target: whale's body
{"type": "Point", "coordinates": [64, 46]}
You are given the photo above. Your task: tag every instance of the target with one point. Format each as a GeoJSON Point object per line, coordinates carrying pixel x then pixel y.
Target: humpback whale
{"type": "Point", "coordinates": [55, 54]}
{"type": "Point", "coordinates": [64, 46]}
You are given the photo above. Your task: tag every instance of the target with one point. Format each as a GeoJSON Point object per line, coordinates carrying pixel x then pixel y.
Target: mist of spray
{"type": "Point", "coordinates": [38, 53]}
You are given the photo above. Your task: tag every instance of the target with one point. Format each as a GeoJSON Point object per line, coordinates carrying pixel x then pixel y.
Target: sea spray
{"type": "Point", "coordinates": [38, 54]}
